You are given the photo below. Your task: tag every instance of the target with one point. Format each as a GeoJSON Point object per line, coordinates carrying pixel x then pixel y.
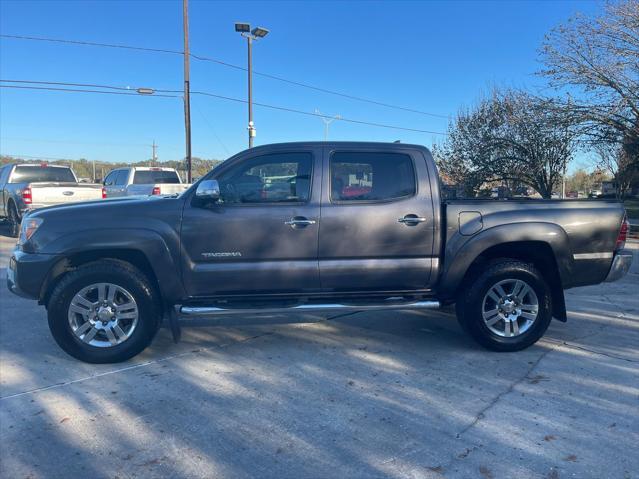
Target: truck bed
{"type": "Point", "coordinates": [590, 226]}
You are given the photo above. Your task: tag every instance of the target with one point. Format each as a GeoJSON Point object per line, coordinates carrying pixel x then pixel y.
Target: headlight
{"type": "Point", "coordinates": [27, 229]}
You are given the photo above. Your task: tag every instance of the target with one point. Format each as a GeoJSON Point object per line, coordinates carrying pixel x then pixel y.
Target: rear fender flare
{"type": "Point", "coordinates": [462, 251]}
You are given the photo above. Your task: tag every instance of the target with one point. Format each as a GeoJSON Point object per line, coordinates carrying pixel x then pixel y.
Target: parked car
{"type": "Point", "coordinates": [136, 180]}
{"type": "Point", "coordinates": [594, 194]}
{"type": "Point", "coordinates": [109, 272]}
{"type": "Point", "coordinates": [25, 187]}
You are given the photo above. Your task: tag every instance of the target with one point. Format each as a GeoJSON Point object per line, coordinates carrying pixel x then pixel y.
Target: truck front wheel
{"type": "Point", "coordinates": [104, 312]}
{"type": "Point", "coordinates": [506, 307]}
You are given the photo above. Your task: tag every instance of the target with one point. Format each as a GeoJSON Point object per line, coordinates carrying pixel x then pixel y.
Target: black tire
{"type": "Point", "coordinates": [13, 219]}
{"type": "Point", "coordinates": [470, 303]}
{"type": "Point", "coordinates": [118, 273]}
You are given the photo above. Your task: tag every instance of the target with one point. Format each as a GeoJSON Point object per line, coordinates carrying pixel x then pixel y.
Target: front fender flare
{"type": "Point", "coordinates": [157, 249]}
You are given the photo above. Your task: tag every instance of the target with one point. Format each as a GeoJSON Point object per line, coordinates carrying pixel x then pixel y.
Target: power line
{"type": "Point", "coordinates": [93, 143]}
{"type": "Point", "coordinates": [206, 120]}
{"type": "Point", "coordinates": [17, 156]}
{"type": "Point", "coordinates": [91, 44]}
{"type": "Point", "coordinates": [317, 115]}
{"type": "Point", "coordinates": [169, 93]}
{"type": "Point", "coordinates": [93, 85]}
{"type": "Point", "coordinates": [231, 65]}
{"type": "Point", "coordinates": [77, 90]}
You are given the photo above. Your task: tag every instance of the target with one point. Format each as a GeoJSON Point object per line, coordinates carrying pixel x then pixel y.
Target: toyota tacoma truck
{"type": "Point", "coordinates": [29, 186]}
{"type": "Point", "coordinates": [143, 181]}
{"type": "Point", "coordinates": [311, 227]}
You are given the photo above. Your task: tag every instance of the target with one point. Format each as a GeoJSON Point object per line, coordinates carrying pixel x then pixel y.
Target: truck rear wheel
{"type": "Point", "coordinates": [506, 307]}
{"type": "Point", "coordinates": [104, 312]}
{"type": "Point", "coordinates": [13, 220]}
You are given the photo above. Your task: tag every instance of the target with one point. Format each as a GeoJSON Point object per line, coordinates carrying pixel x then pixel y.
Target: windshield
{"type": "Point", "coordinates": [147, 177]}
{"type": "Point", "coordinates": [42, 174]}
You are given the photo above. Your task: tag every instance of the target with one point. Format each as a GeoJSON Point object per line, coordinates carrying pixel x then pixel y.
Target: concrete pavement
{"type": "Point", "coordinates": [363, 395]}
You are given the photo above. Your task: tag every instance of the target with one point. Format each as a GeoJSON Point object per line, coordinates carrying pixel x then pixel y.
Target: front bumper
{"type": "Point", "coordinates": [620, 265]}
{"type": "Point", "coordinates": [27, 272]}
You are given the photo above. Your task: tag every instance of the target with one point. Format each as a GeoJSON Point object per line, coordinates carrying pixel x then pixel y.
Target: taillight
{"type": "Point", "coordinates": [156, 191]}
{"type": "Point", "coordinates": [103, 192]}
{"type": "Point", "coordinates": [26, 196]}
{"type": "Point", "coordinates": [623, 234]}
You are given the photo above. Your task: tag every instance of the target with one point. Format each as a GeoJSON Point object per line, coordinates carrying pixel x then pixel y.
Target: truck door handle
{"type": "Point", "coordinates": [299, 222]}
{"type": "Point", "coordinates": [412, 220]}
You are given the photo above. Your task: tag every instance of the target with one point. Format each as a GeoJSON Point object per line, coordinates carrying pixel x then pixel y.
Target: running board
{"type": "Point", "coordinates": [204, 311]}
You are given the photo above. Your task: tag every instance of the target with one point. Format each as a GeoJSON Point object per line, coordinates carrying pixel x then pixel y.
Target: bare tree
{"type": "Point", "coordinates": [614, 160]}
{"type": "Point", "coordinates": [600, 57]}
{"type": "Point", "coordinates": [511, 138]}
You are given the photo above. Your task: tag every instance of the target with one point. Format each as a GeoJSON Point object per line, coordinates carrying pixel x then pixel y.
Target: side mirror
{"type": "Point", "coordinates": [208, 190]}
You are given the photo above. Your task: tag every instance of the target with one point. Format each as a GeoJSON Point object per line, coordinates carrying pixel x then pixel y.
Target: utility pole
{"type": "Point", "coordinates": [187, 88]}
{"type": "Point", "coordinates": [327, 121]}
{"type": "Point", "coordinates": [93, 171]}
{"type": "Point", "coordinates": [258, 32]}
{"type": "Point", "coordinates": [154, 156]}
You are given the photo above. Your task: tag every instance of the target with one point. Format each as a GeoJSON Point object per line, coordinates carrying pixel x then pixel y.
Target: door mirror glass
{"type": "Point", "coordinates": [208, 190]}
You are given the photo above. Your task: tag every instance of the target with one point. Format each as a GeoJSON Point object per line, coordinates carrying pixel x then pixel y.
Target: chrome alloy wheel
{"type": "Point", "coordinates": [103, 315]}
{"type": "Point", "coordinates": [510, 308]}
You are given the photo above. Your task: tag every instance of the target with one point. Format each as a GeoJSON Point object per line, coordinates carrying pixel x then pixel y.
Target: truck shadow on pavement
{"type": "Point", "coordinates": [4, 230]}
{"type": "Point", "coordinates": [358, 395]}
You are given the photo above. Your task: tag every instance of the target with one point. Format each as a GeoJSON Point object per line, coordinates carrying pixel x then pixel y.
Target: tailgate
{"type": "Point", "coordinates": [49, 194]}
{"type": "Point", "coordinates": [172, 188]}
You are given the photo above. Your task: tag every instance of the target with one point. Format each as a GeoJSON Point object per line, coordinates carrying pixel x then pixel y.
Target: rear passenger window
{"type": "Point", "coordinates": [122, 178]}
{"type": "Point", "coordinates": [362, 176]}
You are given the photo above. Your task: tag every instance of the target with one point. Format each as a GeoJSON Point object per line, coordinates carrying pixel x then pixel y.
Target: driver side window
{"type": "Point", "coordinates": [273, 178]}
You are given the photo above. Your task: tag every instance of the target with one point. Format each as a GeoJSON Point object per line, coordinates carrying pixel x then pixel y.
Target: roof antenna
{"type": "Point", "coordinates": [397, 141]}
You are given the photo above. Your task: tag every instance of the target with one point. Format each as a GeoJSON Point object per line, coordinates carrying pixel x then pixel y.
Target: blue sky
{"type": "Point", "coordinates": [430, 56]}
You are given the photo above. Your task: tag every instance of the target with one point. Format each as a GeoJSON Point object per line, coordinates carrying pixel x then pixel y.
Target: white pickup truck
{"type": "Point", "coordinates": [145, 181]}
{"type": "Point", "coordinates": [26, 187]}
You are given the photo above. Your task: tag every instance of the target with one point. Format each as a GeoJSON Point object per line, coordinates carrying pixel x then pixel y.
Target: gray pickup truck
{"type": "Point", "coordinates": [25, 187]}
{"type": "Point", "coordinates": [311, 227]}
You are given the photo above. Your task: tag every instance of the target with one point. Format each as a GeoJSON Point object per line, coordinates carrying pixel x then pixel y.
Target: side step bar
{"type": "Point", "coordinates": [204, 311]}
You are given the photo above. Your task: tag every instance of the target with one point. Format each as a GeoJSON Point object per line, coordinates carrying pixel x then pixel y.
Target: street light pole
{"type": "Point", "coordinates": [154, 156]}
{"type": "Point", "coordinates": [187, 88]}
{"type": "Point", "coordinates": [245, 30]}
{"type": "Point", "coordinates": [251, 129]}
{"type": "Point", "coordinates": [327, 121]}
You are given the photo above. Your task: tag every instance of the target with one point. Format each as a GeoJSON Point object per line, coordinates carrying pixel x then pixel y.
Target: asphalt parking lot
{"type": "Point", "coordinates": [359, 395]}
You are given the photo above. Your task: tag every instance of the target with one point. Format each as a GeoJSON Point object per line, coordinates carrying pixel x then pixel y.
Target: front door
{"type": "Point", "coordinates": [377, 227]}
{"type": "Point", "coordinates": [261, 237]}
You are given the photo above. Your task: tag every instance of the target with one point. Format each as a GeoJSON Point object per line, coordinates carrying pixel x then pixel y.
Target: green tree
{"type": "Point", "coordinates": [511, 138]}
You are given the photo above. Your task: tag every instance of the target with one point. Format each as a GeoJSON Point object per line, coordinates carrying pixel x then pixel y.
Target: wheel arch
{"type": "Point", "coordinates": [544, 245]}
{"type": "Point", "coordinates": [131, 256]}
{"type": "Point", "coordinates": [154, 254]}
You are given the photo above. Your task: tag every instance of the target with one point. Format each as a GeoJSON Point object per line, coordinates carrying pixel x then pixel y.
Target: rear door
{"type": "Point", "coordinates": [261, 237]}
{"type": "Point", "coordinates": [377, 228]}
{"type": "Point", "coordinates": [115, 183]}
{"type": "Point", "coordinates": [109, 183]}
